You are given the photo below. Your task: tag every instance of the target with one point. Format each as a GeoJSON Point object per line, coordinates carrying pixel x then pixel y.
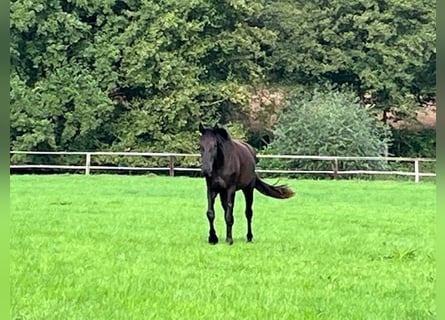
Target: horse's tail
{"type": "Point", "coordinates": [279, 192]}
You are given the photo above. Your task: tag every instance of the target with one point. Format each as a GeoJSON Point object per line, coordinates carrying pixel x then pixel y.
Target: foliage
{"type": "Point", "coordinates": [139, 75]}
{"type": "Point", "coordinates": [119, 76]}
{"type": "Point", "coordinates": [409, 143]}
{"type": "Point", "coordinates": [328, 123]}
{"type": "Point", "coordinates": [414, 144]}
{"type": "Point", "coordinates": [383, 48]}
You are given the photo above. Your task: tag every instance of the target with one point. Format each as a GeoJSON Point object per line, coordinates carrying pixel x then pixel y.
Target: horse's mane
{"type": "Point", "coordinates": [225, 142]}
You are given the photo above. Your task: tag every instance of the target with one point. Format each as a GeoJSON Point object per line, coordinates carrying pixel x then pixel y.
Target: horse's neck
{"type": "Point", "coordinates": [226, 158]}
{"type": "Point", "coordinates": [227, 150]}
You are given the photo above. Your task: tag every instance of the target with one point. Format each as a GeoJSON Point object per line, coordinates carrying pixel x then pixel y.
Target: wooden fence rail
{"type": "Point", "coordinates": [171, 168]}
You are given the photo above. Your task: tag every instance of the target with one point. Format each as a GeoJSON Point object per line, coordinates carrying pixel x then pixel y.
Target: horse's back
{"type": "Point", "coordinates": [247, 161]}
{"type": "Point", "coordinates": [247, 146]}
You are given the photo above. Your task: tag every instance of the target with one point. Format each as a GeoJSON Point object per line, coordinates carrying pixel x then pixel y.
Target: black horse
{"type": "Point", "coordinates": [228, 166]}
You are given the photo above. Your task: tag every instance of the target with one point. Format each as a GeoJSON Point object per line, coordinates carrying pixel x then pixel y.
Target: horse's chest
{"type": "Point", "coordinates": [219, 183]}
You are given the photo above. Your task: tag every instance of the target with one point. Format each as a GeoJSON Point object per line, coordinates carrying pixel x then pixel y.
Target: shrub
{"type": "Point", "coordinates": [328, 123]}
{"type": "Point", "coordinates": [411, 143]}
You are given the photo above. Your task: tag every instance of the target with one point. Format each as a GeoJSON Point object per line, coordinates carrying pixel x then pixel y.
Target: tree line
{"type": "Point", "coordinates": [140, 75]}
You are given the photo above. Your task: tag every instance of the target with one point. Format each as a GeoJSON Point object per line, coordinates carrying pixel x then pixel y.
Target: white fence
{"type": "Point", "coordinates": [171, 168]}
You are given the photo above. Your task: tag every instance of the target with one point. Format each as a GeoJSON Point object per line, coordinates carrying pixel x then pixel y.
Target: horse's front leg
{"type": "Point", "coordinates": [228, 202]}
{"type": "Point", "coordinates": [211, 195]}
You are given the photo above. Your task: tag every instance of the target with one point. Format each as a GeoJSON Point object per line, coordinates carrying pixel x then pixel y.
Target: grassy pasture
{"type": "Point", "coordinates": [122, 247]}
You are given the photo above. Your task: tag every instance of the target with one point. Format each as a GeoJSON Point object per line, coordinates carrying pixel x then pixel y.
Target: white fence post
{"type": "Point", "coordinates": [87, 163]}
{"type": "Point", "coordinates": [416, 170]}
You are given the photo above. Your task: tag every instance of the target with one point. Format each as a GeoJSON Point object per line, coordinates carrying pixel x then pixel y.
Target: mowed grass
{"type": "Point", "coordinates": [135, 247]}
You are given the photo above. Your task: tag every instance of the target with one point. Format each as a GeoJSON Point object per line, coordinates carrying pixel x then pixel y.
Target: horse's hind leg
{"type": "Point", "coordinates": [227, 202]}
{"type": "Point", "coordinates": [248, 195]}
{"type": "Point", "coordinates": [211, 195]}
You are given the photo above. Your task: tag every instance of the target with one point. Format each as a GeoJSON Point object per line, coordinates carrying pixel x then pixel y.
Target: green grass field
{"type": "Point", "coordinates": [135, 247]}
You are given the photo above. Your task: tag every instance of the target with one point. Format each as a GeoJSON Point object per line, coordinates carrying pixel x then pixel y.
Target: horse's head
{"type": "Point", "coordinates": [209, 145]}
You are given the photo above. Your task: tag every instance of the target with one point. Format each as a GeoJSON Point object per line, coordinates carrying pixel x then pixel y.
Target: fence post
{"type": "Point", "coordinates": [416, 170]}
{"type": "Point", "coordinates": [335, 168]}
{"type": "Point", "coordinates": [87, 163]}
{"type": "Point", "coordinates": [171, 166]}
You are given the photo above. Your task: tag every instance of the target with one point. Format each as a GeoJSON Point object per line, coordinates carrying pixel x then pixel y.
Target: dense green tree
{"type": "Point", "coordinates": [128, 75]}
{"type": "Point", "coordinates": [182, 62]}
{"type": "Point", "coordinates": [56, 99]}
{"type": "Point", "coordinates": [140, 75]}
{"type": "Point", "coordinates": [382, 48]}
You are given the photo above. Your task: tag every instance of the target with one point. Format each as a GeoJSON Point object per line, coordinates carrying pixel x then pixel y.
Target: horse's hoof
{"type": "Point", "coordinates": [213, 239]}
{"type": "Point", "coordinates": [229, 241]}
{"type": "Point", "coordinates": [249, 238]}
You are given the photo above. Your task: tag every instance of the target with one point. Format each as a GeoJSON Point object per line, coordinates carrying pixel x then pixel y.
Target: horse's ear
{"type": "Point", "coordinates": [223, 133]}
{"type": "Point", "coordinates": [201, 128]}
